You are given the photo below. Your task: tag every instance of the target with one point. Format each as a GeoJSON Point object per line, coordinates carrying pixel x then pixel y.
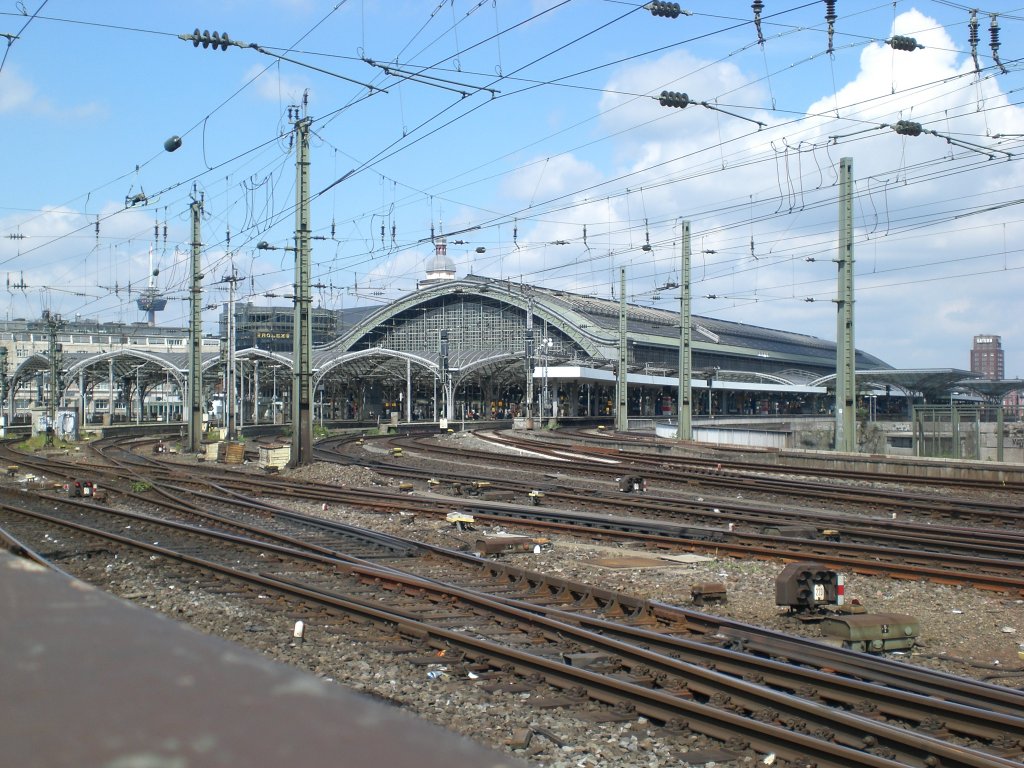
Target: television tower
{"type": "Point", "coordinates": [151, 301]}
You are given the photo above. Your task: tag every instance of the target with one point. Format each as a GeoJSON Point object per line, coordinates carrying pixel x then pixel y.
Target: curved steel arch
{"type": "Point", "coordinates": [332, 363]}
{"type": "Point", "coordinates": [465, 371]}
{"type": "Point", "coordinates": [755, 376]}
{"type": "Point", "coordinates": [567, 322]}
{"type": "Point", "coordinates": [161, 360]}
{"type": "Point", "coordinates": [37, 362]}
{"type": "Point", "coordinates": [255, 353]}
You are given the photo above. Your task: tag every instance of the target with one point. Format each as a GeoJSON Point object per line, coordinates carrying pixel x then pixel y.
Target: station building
{"type": "Point", "coordinates": [455, 348]}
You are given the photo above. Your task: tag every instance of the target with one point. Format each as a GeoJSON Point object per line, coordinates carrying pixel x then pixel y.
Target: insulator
{"type": "Point", "coordinates": [904, 43]}
{"type": "Point", "coordinates": [758, 6]}
{"type": "Point", "coordinates": [908, 128]}
{"type": "Point", "coordinates": [673, 99]}
{"type": "Point", "coordinates": [196, 37]}
{"type": "Point", "coordinates": [830, 17]}
{"type": "Point", "coordinates": [993, 30]}
{"type": "Point", "coordinates": [661, 8]}
{"type": "Point", "coordinates": [972, 37]}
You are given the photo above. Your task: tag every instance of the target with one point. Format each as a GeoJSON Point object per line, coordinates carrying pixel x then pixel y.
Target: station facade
{"type": "Point", "coordinates": [468, 348]}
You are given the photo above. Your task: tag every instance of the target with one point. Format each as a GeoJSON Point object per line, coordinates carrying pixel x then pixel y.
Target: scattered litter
{"type": "Point", "coordinates": [460, 520]}
{"type": "Point", "coordinates": [686, 558]}
{"type": "Point", "coordinates": [1008, 631]}
{"type": "Point", "coordinates": [437, 672]}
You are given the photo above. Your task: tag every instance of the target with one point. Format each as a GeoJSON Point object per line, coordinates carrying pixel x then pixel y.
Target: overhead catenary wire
{"type": "Point", "coordinates": [283, 213]}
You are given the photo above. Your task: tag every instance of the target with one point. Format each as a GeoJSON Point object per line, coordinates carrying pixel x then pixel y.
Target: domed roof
{"type": "Point", "coordinates": [440, 262]}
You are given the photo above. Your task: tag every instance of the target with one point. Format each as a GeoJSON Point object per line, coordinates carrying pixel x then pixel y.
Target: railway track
{"type": "Point", "coordinates": [562, 633]}
{"type": "Point", "coordinates": [983, 558]}
{"type": "Point", "coordinates": [645, 445]}
{"type": "Point", "coordinates": [882, 494]}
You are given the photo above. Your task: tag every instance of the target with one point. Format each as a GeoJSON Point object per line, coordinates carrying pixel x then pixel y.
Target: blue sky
{"type": "Point", "coordinates": [531, 130]}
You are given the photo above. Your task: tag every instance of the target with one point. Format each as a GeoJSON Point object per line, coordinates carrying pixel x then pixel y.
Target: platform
{"type": "Point", "coordinates": [89, 680]}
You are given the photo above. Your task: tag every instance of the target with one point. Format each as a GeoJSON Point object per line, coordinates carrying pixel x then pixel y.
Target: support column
{"type": "Point", "coordinates": [846, 384]}
{"type": "Point", "coordinates": [685, 419]}
{"type": "Point", "coordinates": [621, 393]}
{"type": "Point", "coordinates": [302, 335]}
{"type": "Point", "coordinates": [195, 342]}
{"type": "Point", "coordinates": [408, 391]}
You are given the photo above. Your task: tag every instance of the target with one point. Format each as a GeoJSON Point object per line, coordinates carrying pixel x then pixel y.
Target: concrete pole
{"type": "Point", "coordinates": [195, 340]}
{"type": "Point", "coordinates": [408, 391]}
{"type": "Point", "coordinates": [846, 382]}
{"type": "Point", "coordinates": [685, 430]}
{"type": "Point", "coordinates": [302, 335]}
{"type": "Point", "coordinates": [529, 362]}
{"type": "Point", "coordinates": [621, 386]}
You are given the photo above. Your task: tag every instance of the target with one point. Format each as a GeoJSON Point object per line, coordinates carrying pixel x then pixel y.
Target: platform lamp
{"type": "Point", "coordinates": [195, 325]}
{"type": "Point", "coordinates": [3, 392]}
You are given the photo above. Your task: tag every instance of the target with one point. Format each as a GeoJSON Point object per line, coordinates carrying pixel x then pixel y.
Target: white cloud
{"type": "Point", "coordinates": [20, 95]}
{"type": "Point", "coordinates": [15, 93]}
{"type": "Point", "coordinates": [545, 178]}
{"type": "Point", "coordinates": [767, 200]}
{"type": "Point", "coordinates": [272, 85]}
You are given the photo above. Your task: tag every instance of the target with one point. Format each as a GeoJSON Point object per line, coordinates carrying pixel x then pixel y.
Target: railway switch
{"type": "Point", "coordinates": [503, 545]}
{"type": "Point", "coordinates": [708, 592]}
{"type": "Point", "coordinates": [809, 586]}
{"type": "Point", "coordinates": [872, 632]}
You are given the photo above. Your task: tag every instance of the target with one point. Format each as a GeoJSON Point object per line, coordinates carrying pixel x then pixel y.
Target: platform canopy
{"type": "Point", "coordinates": [933, 384]}
{"type": "Point", "coordinates": [995, 389]}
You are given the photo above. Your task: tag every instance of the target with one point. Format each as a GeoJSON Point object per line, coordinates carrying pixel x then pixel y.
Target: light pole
{"type": "Point", "coordinates": [256, 391]}
{"type": "Point", "coordinates": [138, 391]}
{"type": "Point", "coordinates": [3, 392]}
{"type": "Point", "coordinates": [53, 325]}
{"type": "Point", "coordinates": [709, 375]}
{"type": "Point", "coordinates": [195, 325]}
{"type": "Point", "coordinates": [273, 402]}
{"type": "Point", "coordinates": [546, 344]}
{"type": "Point", "coordinates": [229, 364]}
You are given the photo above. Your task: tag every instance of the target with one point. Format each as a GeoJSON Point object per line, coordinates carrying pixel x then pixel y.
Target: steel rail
{"type": "Point", "coordinates": [841, 739]}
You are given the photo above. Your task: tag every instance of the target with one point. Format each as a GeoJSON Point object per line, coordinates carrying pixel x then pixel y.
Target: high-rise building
{"type": "Point", "coordinates": [987, 357]}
